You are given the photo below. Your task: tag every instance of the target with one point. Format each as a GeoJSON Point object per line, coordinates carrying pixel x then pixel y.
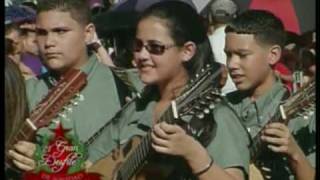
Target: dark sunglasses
{"type": "Point", "coordinates": [153, 47]}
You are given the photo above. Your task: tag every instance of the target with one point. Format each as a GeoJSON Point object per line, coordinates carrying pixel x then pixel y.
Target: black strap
{"type": "Point", "coordinates": [48, 79]}
{"type": "Point", "coordinates": [122, 89]}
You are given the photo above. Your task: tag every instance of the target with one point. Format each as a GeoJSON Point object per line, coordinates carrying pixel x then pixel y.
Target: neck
{"type": "Point", "coordinates": [264, 87]}
{"type": "Point", "coordinates": [171, 89]}
{"type": "Point", "coordinates": [81, 62]}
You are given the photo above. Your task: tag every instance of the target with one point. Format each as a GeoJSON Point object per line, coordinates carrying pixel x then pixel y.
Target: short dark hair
{"type": "Point", "coordinates": [79, 9]}
{"type": "Point", "coordinates": [265, 26]}
{"type": "Point", "coordinates": [184, 24]}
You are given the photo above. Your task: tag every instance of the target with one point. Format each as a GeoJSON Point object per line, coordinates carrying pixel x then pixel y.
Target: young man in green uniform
{"type": "Point", "coordinates": [63, 31]}
{"type": "Point", "coordinates": [254, 41]}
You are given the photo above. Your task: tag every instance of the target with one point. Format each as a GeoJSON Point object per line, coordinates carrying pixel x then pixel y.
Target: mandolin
{"type": "Point", "coordinates": [57, 99]}
{"type": "Point", "coordinates": [301, 103]}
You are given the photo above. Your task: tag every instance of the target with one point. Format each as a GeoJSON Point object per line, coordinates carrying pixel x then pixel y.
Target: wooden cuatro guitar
{"type": "Point", "coordinates": [301, 103]}
{"type": "Point", "coordinates": [131, 160]}
{"type": "Point", "coordinates": [56, 101]}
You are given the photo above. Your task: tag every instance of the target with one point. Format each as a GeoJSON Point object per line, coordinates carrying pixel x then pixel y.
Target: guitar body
{"type": "Point", "coordinates": [254, 173]}
{"type": "Point", "coordinates": [109, 165]}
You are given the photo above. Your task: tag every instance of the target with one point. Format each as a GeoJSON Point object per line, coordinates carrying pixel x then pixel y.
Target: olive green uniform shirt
{"type": "Point", "coordinates": [255, 114]}
{"type": "Point", "coordinates": [98, 103]}
{"type": "Point", "coordinates": [228, 147]}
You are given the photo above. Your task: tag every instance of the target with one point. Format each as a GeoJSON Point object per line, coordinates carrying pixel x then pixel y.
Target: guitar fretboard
{"type": "Point", "coordinates": [258, 145]}
{"type": "Point", "coordinates": [143, 150]}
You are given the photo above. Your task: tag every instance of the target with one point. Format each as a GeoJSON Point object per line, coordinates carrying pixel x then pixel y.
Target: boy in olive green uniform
{"type": "Point", "coordinates": [96, 104]}
{"type": "Point", "coordinates": [253, 44]}
{"type": "Point", "coordinates": [63, 31]}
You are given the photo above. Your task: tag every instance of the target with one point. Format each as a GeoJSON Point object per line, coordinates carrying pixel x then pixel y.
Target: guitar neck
{"type": "Point", "coordinates": [140, 154]}
{"type": "Point", "coordinates": [137, 158]}
{"type": "Point", "coordinates": [258, 145]}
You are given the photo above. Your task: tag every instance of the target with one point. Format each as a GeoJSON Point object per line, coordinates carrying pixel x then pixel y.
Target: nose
{"type": "Point", "coordinates": [141, 55]}
{"type": "Point", "coordinates": [232, 62]}
{"type": "Point", "coordinates": [49, 40]}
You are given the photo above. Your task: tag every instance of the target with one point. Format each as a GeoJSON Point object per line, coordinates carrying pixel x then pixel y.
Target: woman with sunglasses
{"type": "Point", "coordinates": [170, 47]}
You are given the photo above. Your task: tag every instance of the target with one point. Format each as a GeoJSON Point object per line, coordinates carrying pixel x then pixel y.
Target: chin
{"type": "Point", "coordinates": [56, 67]}
{"type": "Point", "coordinates": [147, 80]}
{"type": "Point", "coordinates": [242, 87]}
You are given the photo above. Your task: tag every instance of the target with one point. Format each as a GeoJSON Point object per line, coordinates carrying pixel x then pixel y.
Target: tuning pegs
{"type": "Point", "coordinates": [214, 92]}
{"type": "Point", "coordinates": [197, 107]}
{"type": "Point", "coordinates": [200, 115]}
{"type": "Point", "coordinates": [206, 111]}
{"type": "Point", "coordinates": [202, 103]}
{"type": "Point", "coordinates": [80, 97]}
{"type": "Point", "coordinates": [217, 100]}
{"type": "Point", "coordinates": [305, 117]}
{"type": "Point", "coordinates": [68, 109]}
{"type": "Point", "coordinates": [62, 115]}
{"type": "Point", "coordinates": [74, 102]}
{"type": "Point", "coordinates": [212, 106]}
{"type": "Point", "coordinates": [307, 114]}
{"type": "Point", "coordinates": [190, 113]}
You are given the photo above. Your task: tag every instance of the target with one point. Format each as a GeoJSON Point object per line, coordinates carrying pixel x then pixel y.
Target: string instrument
{"type": "Point", "coordinates": [301, 103]}
{"type": "Point", "coordinates": [59, 99]}
{"type": "Point", "coordinates": [196, 102]}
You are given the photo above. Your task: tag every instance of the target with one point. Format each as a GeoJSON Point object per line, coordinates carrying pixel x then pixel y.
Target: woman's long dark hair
{"type": "Point", "coordinates": [16, 106]}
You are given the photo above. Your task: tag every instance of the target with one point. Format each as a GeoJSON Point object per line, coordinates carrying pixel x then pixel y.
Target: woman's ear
{"type": "Point", "coordinates": [90, 33]}
{"type": "Point", "coordinates": [188, 51]}
{"type": "Point", "coordinates": [274, 54]}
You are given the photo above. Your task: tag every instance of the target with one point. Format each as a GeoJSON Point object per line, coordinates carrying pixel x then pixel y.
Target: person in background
{"type": "Point", "coordinates": [284, 73]}
{"type": "Point", "coordinates": [100, 51]}
{"type": "Point", "coordinates": [20, 28]}
{"type": "Point", "coordinates": [254, 42]}
{"type": "Point", "coordinates": [222, 12]}
{"type": "Point", "coordinates": [170, 48]}
{"type": "Point", "coordinates": [307, 55]}
{"type": "Point", "coordinates": [13, 54]}
{"type": "Point", "coordinates": [308, 61]}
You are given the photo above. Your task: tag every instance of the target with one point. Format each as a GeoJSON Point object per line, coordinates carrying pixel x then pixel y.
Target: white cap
{"type": "Point", "coordinates": [223, 10]}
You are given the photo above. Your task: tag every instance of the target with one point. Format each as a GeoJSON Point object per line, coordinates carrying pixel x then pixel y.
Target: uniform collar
{"type": "Point", "coordinates": [271, 97]}
{"type": "Point", "coordinates": [89, 65]}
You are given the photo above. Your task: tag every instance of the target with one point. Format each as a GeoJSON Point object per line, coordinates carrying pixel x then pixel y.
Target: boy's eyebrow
{"type": "Point", "coordinates": [237, 50]}
{"type": "Point", "coordinates": [38, 29]}
{"type": "Point", "coordinates": [52, 29]}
